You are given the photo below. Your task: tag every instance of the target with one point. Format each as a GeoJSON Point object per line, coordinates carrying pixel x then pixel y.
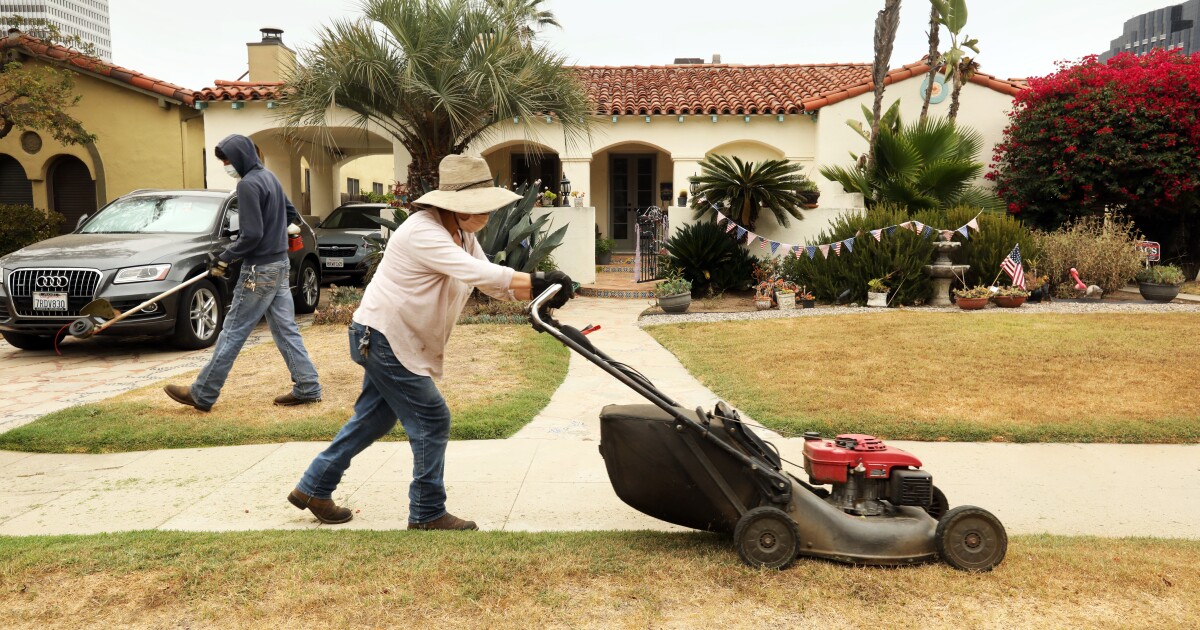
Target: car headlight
{"type": "Point", "coordinates": [149, 273]}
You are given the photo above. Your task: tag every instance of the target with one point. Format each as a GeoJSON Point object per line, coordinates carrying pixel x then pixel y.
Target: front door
{"type": "Point", "coordinates": [631, 189]}
{"type": "Point", "coordinates": [529, 168]}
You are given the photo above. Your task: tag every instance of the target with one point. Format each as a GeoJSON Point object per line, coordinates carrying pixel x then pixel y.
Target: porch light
{"type": "Point", "coordinates": [564, 188]}
{"type": "Point", "coordinates": [693, 187]}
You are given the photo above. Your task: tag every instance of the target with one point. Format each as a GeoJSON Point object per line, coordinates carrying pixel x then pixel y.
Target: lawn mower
{"type": "Point", "coordinates": [709, 471]}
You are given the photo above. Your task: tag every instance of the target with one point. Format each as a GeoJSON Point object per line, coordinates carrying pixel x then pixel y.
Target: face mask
{"type": "Point", "coordinates": [229, 168]}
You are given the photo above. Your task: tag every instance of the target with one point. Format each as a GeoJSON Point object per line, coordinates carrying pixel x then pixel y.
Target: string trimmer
{"type": "Point", "coordinates": [99, 315]}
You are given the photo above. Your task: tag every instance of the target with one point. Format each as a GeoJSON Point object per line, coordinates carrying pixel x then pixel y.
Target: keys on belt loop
{"type": "Point", "coordinates": [250, 284]}
{"type": "Point", "coordinates": [364, 344]}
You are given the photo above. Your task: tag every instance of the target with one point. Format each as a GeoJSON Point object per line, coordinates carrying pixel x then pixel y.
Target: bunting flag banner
{"type": "Point", "coordinates": [762, 243]}
{"type": "Point", "coordinates": [850, 244]}
{"type": "Point", "coordinates": [891, 230]}
{"type": "Point", "coordinates": [741, 231]}
{"type": "Point", "coordinates": [774, 247]}
{"type": "Point", "coordinates": [837, 248]}
{"type": "Point", "coordinates": [824, 251]}
{"type": "Point", "coordinates": [973, 224]}
{"type": "Point", "coordinates": [947, 235]}
{"type": "Point", "coordinates": [928, 230]}
{"type": "Point", "coordinates": [918, 227]}
{"type": "Point", "coordinates": [907, 225]}
{"type": "Point", "coordinates": [812, 252]}
{"type": "Point", "coordinates": [878, 234]}
{"type": "Point", "coordinates": [796, 251]}
{"type": "Point", "coordinates": [720, 217]}
{"type": "Point", "coordinates": [729, 228]}
{"type": "Point", "coordinates": [965, 232]}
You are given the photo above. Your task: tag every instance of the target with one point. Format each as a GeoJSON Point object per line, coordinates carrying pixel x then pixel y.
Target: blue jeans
{"type": "Point", "coordinates": [270, 296]}
{"type": "Point", "coordinates": [389, 392]}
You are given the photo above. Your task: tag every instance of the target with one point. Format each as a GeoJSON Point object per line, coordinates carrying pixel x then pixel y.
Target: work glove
{"type": "Point", "coordinates": [542, 280]}
{"type": "Point", "coordinates": [217, 268]}
{"type": "Point", "coordinates": [293, 229]}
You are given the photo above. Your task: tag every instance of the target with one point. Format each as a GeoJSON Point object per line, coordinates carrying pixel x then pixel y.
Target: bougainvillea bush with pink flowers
{"type": "Point", "coordinates": [1123, 134]}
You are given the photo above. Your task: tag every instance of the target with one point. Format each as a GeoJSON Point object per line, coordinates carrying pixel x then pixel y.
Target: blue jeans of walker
{"type": "Point", "coordinates": [389, 392]}
{"type": "Point", "coordinates": [272, 297]}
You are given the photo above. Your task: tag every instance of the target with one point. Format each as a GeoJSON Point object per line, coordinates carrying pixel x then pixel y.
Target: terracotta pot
{"type": "Point", "coordinates": [971, 304]}
{"type": "Point", "coordinates": [1010, 301]}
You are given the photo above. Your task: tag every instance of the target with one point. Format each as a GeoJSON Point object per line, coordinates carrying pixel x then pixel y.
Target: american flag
{"type": "Point", "coordinates": [1012, 266]}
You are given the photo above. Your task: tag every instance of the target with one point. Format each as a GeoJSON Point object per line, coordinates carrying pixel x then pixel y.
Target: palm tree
{"type": "Point", "coordinates": [436, 75]}
{"type": "Point", "coordinates": [925, 165]}
{"type": "Point", "coordinates": [935, 30]}
{"type": "Point", "coordinates": [886, 24]}
{"type": "Point", "coordinates": [744, 189]}
{"type": "Point", "coordinates": [958, 67]}
{"type": "Point", "coordinates": [526, 16]}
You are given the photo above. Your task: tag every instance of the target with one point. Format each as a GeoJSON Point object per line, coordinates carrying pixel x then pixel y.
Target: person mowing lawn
{"type": "Point", "coordinates": [262, 287]}
{"type": "Point", "coordinates": [399, 337]}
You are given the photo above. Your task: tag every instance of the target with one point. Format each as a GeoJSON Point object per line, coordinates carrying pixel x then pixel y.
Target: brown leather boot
{"type": "Point", "coordinates": [446, 521]}
{"type": "Point", "coordinates": [182, 394]}
{"type": "Point", "coordinates": [290, 400]}
{"type": "Point", "coordinates": [325, 510]}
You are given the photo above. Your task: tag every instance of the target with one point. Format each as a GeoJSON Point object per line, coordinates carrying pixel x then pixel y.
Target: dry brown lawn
{"type": "Point", "coordinates": [595, 580]}
{"type": "Point", "coordinates": [1117, 377]}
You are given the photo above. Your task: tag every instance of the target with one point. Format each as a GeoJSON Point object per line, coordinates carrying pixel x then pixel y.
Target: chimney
{"type": "Point", "coordinates": [270, 61]}
{"type": "Point", "coordinates": [716, 58]}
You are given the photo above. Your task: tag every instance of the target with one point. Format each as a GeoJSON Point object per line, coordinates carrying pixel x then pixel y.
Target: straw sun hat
{"type": "Point", "coordinates": [466, 187]}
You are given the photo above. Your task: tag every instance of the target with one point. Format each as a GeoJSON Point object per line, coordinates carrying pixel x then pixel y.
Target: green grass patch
{"type": "Point", "coordinates": [601, 579]}
{"type": "Point", "coordinates": [497, 389]}
{"type": "Point", "coordinates": [1105, 377]}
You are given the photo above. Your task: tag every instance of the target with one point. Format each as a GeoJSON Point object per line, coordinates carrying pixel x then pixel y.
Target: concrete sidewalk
{"type": "Point", "coordinates": [550, 476]}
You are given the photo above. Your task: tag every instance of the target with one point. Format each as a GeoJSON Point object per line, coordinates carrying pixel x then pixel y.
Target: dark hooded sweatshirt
{"type": "Point", "coordinates": [263, 209]}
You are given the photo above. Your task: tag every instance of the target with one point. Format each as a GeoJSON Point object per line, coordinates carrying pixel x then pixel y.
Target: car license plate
{"type": "Point", "coordinates": [335, 263]}
{"type": "Point", "coordinates": [50, 301]}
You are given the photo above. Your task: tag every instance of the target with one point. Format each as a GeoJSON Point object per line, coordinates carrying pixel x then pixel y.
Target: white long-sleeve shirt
{"type": "Point", "coordinates": [421, 287]}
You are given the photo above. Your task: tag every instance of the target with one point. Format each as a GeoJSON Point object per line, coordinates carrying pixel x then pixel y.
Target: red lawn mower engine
{"type": "Point", "coordinates": [867, 475]}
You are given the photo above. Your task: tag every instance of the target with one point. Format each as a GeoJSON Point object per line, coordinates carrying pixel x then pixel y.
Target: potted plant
{"type": "Point", "coordinates": [1038, 289]}
{"type": "Point", "coordinates": [785, 294]}
{"type": "Point", "coordinates": [972, 299]}
{"type": "Point", "coordinates": [809, 193]}
{"type": "Point", "coordinates": [1010, 297]}
{"type": "Point", "coordinates": [1160, 283]}
{"type": "Point", "coordinates": [577, 198]}
{"type": "Point", "coordinates": [674, 295]}
{"type": "Point", "coordinates": [877, 292]}
{"type": "Point", "coordinates": [548, 197]}
{"type": "Point", "coordinates": [682, 199]}
{"type": "Point", "coordinates": [762, 295]}
{"type": "Point", "coordinates": [806, 299]}
{"type": "Point", "coordinates": [604, 248]}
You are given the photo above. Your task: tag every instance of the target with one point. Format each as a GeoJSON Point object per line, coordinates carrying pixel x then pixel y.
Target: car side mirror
{"type": "Point", "coordinates": [83, 219]}
{"type": "Point", "coordinates": [232, 226]}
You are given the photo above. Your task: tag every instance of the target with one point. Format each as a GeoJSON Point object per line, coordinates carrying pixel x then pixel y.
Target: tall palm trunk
{"type": "Point", "coordinates": [958, 84]}
{"type": "Point", "coordinates": [935, 28]}
{"type": "Point", "coordinates": [886, 24]}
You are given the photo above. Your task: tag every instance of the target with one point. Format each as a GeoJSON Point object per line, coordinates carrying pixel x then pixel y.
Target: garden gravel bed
{"type": "Point", "coordinates": [1106, 306]}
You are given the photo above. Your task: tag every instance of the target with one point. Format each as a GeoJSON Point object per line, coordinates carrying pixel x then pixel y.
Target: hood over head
{"type": "Point", "coordinates": [240, 152]}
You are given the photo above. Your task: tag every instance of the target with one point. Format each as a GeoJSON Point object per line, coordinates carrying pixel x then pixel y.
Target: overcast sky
{"type": "Point", "coordinates": [193, 44]}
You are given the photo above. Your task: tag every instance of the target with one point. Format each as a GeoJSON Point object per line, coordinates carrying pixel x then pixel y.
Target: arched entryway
{"type": "Point", "coordinates": [517, 163]}
{"type": "Point", "coordinates": [72, 190]}
{"type": "Point", "coordinates": [15, 187]}
{"type": "Point", "coordinates": [628, 178]}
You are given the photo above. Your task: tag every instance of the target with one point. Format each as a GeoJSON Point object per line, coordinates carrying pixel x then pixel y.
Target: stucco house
{"type": "Point", "coordinates": [148, 135]}
{"type": "Point", "coordinates": [653, 125]}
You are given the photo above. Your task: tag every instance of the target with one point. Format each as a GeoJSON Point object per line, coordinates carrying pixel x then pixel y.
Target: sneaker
{"type": "Point", "coordinates": [447, 521]}
{"type": "Point", "coordinates": [290, 400]}
{"type": "Point", "coordinates": [183, 395]}
{"type": "Point", "coordinates": [325, 510]}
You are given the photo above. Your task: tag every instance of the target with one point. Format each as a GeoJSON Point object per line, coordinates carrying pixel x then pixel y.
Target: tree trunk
{"type": "Point", "coordinates": [422, 175]}
{"type": "Point", "coordinates": [934, 40]}
{"type": "Point", "coordinates": [886, 24]}
{"type": "Point", "coordinates": [953, 114]}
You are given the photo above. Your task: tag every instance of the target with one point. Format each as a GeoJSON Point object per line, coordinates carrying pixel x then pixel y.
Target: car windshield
{"type": "Point", "coordinates": [156, 214]}
{"type": "Point", "coordinates": [352, 219]}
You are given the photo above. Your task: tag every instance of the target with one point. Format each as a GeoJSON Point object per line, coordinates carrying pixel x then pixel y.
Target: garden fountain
{"type": "Point", "coordinates": [943, 270]}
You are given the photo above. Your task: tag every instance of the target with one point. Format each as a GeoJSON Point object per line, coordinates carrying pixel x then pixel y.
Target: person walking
{"type": "Point", "coordinates": [399, 337]}
{"type": "Point", "coordinates": [264, 214]}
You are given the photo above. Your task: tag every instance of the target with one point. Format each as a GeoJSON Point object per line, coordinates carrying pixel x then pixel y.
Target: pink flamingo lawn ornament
{"type": "Point", "coordinates": [1089, 291]}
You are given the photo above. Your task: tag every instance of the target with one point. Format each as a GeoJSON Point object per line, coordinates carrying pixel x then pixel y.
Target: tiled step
{"type": "Point", "coordinates": [618, 285]}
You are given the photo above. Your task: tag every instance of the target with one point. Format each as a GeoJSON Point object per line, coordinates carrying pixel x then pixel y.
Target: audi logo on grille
{"type": "Point", "coordinates": [52, 282]}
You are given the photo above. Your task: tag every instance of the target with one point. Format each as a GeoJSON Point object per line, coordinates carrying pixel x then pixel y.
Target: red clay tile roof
{"type": "Point", "coordinates": [38, 48]}
{"type": "Point", "coordinates": [240, 91]}
{"type": "Point", "coordinates": [696, 89]}
{"type": "Point", "coordinates": [1012, 87]}
{"type": "Point", "coordinates": [713, 89]}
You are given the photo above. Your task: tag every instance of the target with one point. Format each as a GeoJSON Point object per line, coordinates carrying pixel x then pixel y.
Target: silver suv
{"type": "Point", "coordinates": [133, 249]}
{"type": "Point", "coordinates": [341, 238]}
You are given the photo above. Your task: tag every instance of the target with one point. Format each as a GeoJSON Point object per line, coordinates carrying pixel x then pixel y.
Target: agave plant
{"type": "Point", "coordinates": [746, 188]}
{"type": "Point", "coordinates": [513, 238]}
{"type": "Point", "coordinates": [929, 164]}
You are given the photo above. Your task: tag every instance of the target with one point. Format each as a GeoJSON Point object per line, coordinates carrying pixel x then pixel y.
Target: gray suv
{"type": "Point", "coordinates": [130, 251]}
{"type": "Point", "coordinates": [340, 238]}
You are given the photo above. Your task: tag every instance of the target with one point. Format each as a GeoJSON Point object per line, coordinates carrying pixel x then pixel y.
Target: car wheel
{"type": "Point", "coordinates": [308, 288]}
{"type": "Point", "coordinates": [29, 342]}
{"type": "Point", "coordinates": [200, 317]}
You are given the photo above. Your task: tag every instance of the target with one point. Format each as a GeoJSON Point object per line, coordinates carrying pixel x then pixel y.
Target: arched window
{"type": "Point", "coordinates": [15, 187]}
{"type": "Point", "coordinates": [72, 190]}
